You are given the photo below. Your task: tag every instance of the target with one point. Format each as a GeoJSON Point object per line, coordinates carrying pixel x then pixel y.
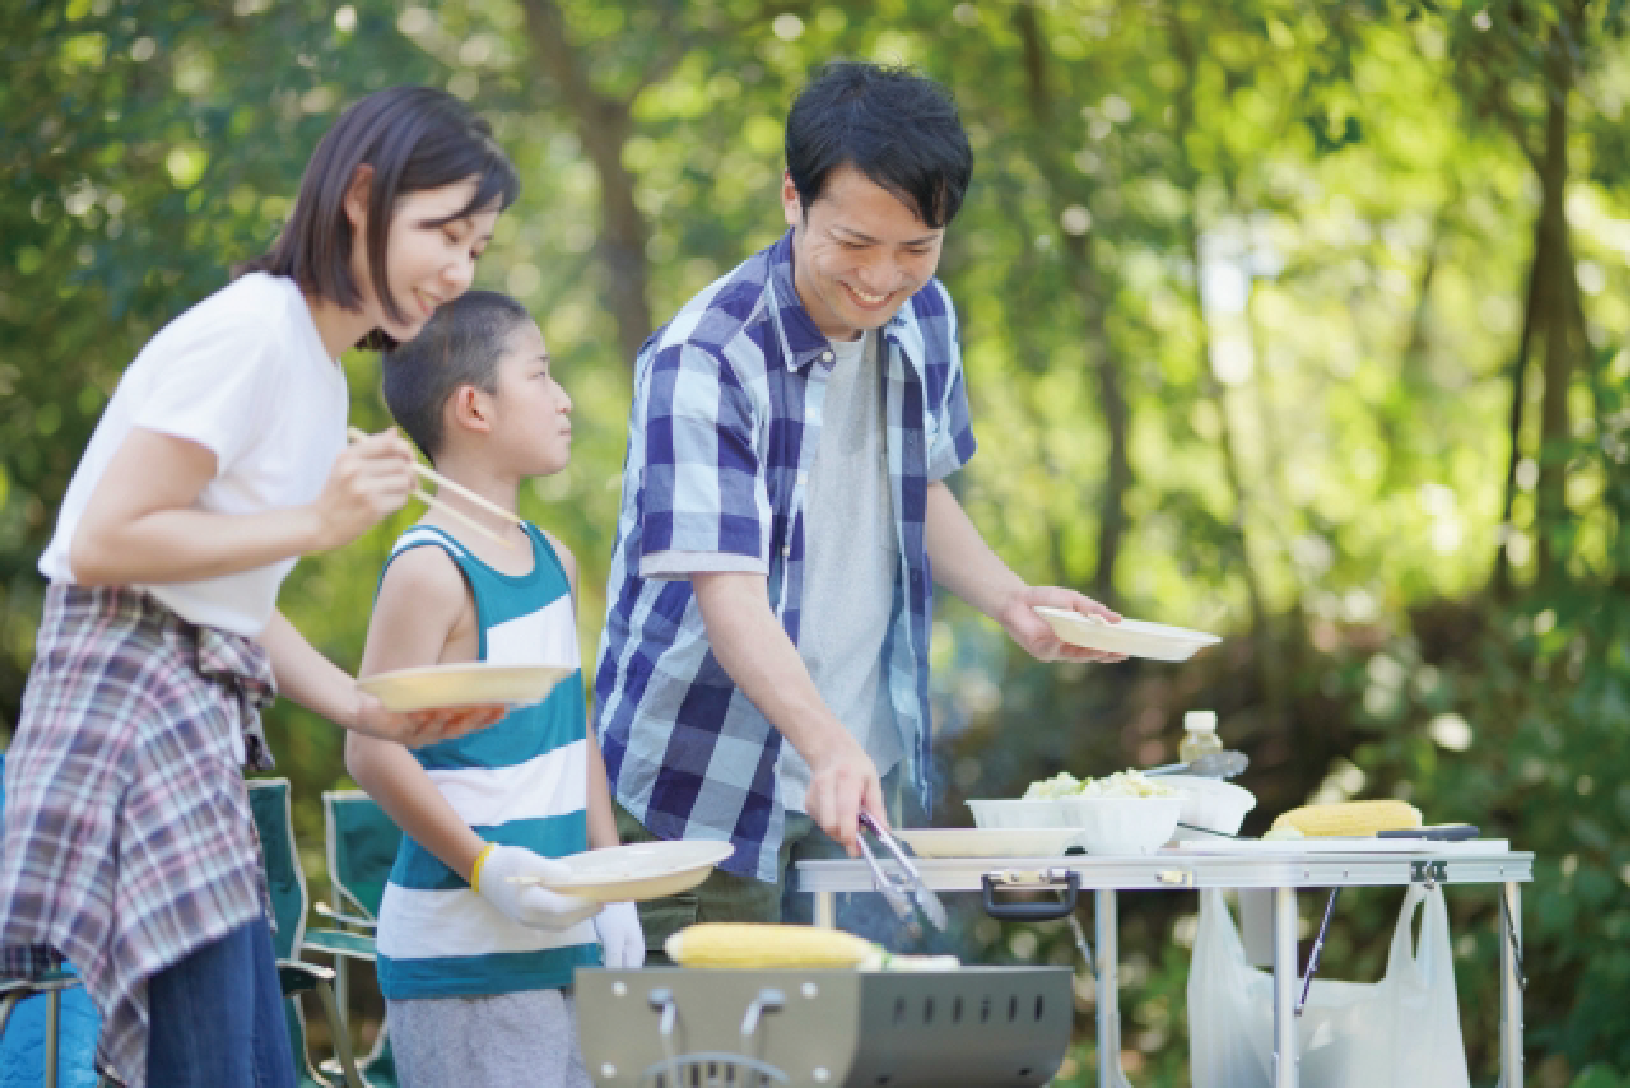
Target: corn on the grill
{"type": "Point", "coordinates": [748, 945]}
{"type": "Point", "coordinates": [1362, 818]}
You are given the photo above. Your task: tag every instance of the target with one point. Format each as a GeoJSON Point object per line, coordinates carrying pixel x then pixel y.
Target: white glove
{"type": "Point", "coordinates": [622, 941]}
{"type": "Point", "coordinates": [508, 877]}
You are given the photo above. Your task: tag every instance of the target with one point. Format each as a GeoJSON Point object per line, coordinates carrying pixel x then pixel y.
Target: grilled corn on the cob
{"type": "Point", "coordinates": [1359, 818]}
{"type": "Point", "coordinates": [749, 945]}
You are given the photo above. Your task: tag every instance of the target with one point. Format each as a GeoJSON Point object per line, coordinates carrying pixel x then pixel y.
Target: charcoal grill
{"type": "Point", "coordinates": [678, 1027]}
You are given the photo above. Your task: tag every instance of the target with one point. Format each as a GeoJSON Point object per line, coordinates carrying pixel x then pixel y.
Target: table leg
{"type": "Point", "coordinates": [826, 910]}
{"type": "Point", "coordinates": [1108, 996]}
{"type": "Point", "coordinates": [53, 1025]}
{"type": "Point", "coordinates": [1285, 987]}
{"type": "Point", "coordinates": [1509, 922]}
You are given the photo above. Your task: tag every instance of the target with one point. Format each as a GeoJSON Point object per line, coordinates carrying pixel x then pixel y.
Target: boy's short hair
{"type": "Point", "coordinates": [461, 344]}
{"type": "Point", "coordinates": [898, 128]}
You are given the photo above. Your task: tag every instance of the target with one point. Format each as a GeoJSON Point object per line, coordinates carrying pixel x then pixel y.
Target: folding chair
{"type": "Point", "coordinates": [81, 1068]}
{"type": "Point", "coordinates": [360, 841]}
{"type": "Point", "coordinates": [50, 986]}
{"type": "Point", "coordinates": [269, 798]}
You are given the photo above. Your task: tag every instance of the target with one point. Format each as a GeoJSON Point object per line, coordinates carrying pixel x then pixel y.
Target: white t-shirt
{"type": "Point", "coordinates": [244, 373]}
{"type": "Point", "coordinates": [851, 555]}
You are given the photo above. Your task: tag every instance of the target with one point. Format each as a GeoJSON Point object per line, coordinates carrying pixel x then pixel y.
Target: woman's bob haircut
{"type": "Point", "coordinates": [411, 139]}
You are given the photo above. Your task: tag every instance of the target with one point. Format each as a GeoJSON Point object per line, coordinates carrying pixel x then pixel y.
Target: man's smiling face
{"type": "Point", "coordinates": [859, 253]}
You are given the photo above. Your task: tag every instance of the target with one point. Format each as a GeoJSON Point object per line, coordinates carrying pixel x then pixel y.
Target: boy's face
{"type": "Point", "coordinates": [858, 253]}
{"type": "Point", "coordinates": [531, 414]}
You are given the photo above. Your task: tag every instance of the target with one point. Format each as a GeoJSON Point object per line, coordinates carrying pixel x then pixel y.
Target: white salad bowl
{"type": "Point", "coordinates": [1120, 825]}
{"type": "Point", "coordinates": [1015, 813]}
{"type": "Point", "coordinates": [1210, 804]}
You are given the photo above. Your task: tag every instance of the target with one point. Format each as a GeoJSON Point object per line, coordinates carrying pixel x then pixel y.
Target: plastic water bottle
{"type": "Point", "coordinates": [1200, 735]}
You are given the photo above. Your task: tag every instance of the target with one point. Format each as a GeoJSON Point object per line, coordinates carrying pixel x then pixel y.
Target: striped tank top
{"type": "Point", "coordinates": [521, 782]}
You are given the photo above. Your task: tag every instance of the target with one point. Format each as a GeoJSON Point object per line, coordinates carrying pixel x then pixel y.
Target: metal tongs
{"type": "Point", "coordinates": [1225, 764]}
{"type": "Point", "coordinates": [900, 887]}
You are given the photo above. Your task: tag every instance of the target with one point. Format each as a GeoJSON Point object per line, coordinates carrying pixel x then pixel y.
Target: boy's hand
{"type": "Point", "coordinates": [420, 727]}
{"type": "Point", "coordinates": [498, 878]}
{"type": "Point", "coordinates": [371, 478]}
{"type": "Point", "coordinates": [622, 941]}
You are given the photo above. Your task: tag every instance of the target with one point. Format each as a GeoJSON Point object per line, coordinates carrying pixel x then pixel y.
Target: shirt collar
{"type": "Point", "coordinates": [803, 343]}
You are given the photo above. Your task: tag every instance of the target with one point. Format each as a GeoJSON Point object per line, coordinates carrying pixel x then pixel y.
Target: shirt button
{"type": "Point", "coordinates": [826, 356]}
{"type": "Point", "coordinates": [787, 551]}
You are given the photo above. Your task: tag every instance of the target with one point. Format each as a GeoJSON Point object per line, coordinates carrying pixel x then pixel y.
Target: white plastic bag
{"type": "Point", "coordinates": [1402, 1031]}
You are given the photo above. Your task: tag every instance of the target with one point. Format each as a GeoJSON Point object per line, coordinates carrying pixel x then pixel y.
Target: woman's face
{"type": "Point", "coordinates": [427, 261]}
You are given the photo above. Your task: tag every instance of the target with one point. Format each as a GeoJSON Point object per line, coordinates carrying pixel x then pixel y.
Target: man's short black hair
{"type": "Point", "coordinates": [895, 126]}
{"type": "Point", "coordinates": [461, 344]}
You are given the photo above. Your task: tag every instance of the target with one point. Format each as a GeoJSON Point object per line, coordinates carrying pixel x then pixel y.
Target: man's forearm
{"type": "Point", "coordinates": [961, 559]}
{"type": "Point", "coordinates": [754, 649]}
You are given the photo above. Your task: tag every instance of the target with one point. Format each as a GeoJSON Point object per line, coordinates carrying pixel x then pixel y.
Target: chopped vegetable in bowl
{"type": "Point", "coordinates": [1063, 784]}
{"type": "Point", "coordinates": [1121, 784]}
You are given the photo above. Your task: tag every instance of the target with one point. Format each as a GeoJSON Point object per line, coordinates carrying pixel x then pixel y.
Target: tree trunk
{"type": "Point", "coordinates": [1558, 299]}
{"type": "Point", "coordinates": [1270, 668]}
{"type": "Point", "coordinates": [603, 125]}
{"type": "Point", "coordinates": [1089, 292]}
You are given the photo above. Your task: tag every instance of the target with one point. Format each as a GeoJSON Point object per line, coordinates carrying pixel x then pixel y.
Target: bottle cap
{"type": "Point", "coordinates": [1201, 721]}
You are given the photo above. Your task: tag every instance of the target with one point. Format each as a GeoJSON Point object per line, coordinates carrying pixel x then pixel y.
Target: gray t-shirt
{"type": "Point", "coordinates": [851, 552]}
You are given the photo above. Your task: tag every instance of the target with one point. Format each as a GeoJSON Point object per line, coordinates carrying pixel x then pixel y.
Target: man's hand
{"type": "Point", "coordinates": [1019, 618]}
{"type": "Point", "coordinates": [842, 783]}
{"type": "Point", "coordinates": [416, 728]}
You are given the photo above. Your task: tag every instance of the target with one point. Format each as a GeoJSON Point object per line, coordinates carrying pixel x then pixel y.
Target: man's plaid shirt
{"type": "Point", "coordinates": [723, 428]}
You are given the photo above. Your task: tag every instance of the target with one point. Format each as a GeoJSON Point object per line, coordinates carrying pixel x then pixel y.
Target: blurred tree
{"type": "Point", "coordinates": [1305, 323]}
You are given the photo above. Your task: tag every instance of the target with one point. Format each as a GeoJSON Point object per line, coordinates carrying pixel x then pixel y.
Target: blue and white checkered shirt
{"type": "Point", "coordinates": [723, 428]}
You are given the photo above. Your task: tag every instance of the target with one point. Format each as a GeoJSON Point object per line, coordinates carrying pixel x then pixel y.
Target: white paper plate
{"type": "Point", "coordinates": [1135, 638]}
{"type": "Point", "coordinates": [641, 870]}
{"type": "Point", "coordinates": [464, 684]}
{"type": "Point", "coordinates": [987, 842]}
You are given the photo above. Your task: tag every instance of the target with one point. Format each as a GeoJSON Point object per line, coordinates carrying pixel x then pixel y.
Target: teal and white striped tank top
{"type": "Point", "coordinates": [521, 782]}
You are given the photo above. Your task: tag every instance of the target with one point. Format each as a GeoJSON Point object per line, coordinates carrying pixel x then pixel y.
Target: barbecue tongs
{"type": "Point", "coordinates": [900, 887]}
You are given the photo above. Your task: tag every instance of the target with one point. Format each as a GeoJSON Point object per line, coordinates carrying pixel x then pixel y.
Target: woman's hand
{"type": "Point", "coordinates": [420, 727]}
{"type": "Point", "coordinates": [372, 477]}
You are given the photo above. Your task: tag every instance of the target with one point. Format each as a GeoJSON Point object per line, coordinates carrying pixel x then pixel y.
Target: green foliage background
{"type": "Point", "coordinates": [1301, 322]}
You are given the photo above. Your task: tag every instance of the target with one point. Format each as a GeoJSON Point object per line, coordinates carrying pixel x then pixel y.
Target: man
{"type": "Point", "coordinates": [765, 654]}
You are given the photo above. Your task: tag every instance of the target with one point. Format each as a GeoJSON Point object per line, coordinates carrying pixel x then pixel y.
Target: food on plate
{"type": "Point", "coordinates": [1121, 784]}
{"type": "Point", "coordinates": [1344, 819]}
{"type": "Point", "coordinates": [753, 945]}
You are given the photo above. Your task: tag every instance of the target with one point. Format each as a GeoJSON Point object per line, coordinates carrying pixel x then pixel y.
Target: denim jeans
{"type": "Point", "coordinates": [217, 1017]}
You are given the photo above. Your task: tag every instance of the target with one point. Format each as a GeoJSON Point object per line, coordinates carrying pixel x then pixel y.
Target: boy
{"type": "Point", "coordinates": [472, 962]}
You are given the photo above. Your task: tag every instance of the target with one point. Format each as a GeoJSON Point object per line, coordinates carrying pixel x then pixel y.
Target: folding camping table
{"type": "Point", "coordinates": [1283, 868]}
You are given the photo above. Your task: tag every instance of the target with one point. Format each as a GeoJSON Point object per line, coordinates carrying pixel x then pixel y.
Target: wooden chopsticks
{"type": "Point", "coordinates": [442, 482]}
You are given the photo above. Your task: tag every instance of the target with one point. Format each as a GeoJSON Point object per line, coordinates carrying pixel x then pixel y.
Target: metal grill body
{"type": "Point", "coordinates": [678, 1027]}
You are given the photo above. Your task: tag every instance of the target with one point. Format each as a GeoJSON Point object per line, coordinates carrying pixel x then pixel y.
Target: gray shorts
{"type": "Point", "coordinates": [521, 1039]}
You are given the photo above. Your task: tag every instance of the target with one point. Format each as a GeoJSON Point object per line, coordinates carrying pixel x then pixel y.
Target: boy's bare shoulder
{"type": "Point", "coordinates": [426, 575]}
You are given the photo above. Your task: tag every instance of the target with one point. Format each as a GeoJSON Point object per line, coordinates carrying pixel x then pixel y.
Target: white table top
{"type": "Point", "coordinates": [1206, 865]}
